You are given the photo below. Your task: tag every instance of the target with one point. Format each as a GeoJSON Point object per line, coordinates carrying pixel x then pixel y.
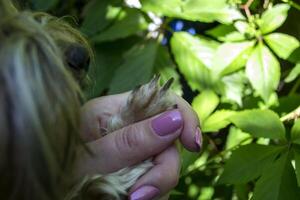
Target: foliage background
{"type": "Point", "coordinates": [236, 61]}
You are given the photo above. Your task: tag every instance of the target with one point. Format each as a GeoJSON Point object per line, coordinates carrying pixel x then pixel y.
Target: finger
{"type": "Point", "coordinates": [161, 178]}
{"type": "Point", "coordinates": [133, 144]}
{"type": "Point", "coordinates": [191, 137]}
{"type": "Point", "coordinates": [95, 114]}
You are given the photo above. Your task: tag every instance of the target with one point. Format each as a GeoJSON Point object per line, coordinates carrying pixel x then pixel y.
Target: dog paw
{"type": "Point", "coordinates": [143, 102]}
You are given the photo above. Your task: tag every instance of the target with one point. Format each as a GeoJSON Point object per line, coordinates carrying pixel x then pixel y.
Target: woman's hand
{"type": "Point", "coordinates": [153, 137]}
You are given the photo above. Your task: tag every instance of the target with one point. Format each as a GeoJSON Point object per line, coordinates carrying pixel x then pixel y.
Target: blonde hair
{"type": "Point", "coordinates": [39, 110]}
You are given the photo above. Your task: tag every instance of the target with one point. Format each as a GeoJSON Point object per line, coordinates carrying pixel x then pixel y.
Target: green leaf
{"type": "Point", "coordinates": [231, 56]}
{"type": "Point", "coordinates": [176, 193]}
{"type": "Point", "coordinates": [194, 10]}
{"type": "Point", "coordinates": [295, 56]}
{"type": "Point", "coordinates": [225, 33]}
{"type": "Point", "coordinates": [234, 86]}
{"type": "Point", "coordinates": [98, 15]}
{"type": "Point", "coordinates": [282, 44]}
{"type": "Point", "coordinates": [217, 121]}
{"type": "Point", "coordinates": [278, 182]}
{"type": "Point", "coordinates": [287, 104]}
{"type": "Point", "coordinates": [259, 123]}
{"type": "Point", "coordinates": [295, 132]}
{"type": "Point", "coordinates": [293, 74]}
{"type": "Point", "coordinates": [194, 56]}
{"type": "Point", "coordinates": [237, 137]}
{"type": "Point", "coordinates": [297, 162]}
{"type": "Point", "coordinates": [263, 71]}
{"type": "Point", "coordinates": [242, 26]}
{"type": "Point", "coordinates": [43, 5]}
{"type": "Point", "coordinates": [274, 17]}
{"type": "Point", "coordinates": [102, 70]}
{"type": "Point", "coordinates": [166, 68]}
{"type": "Point", "coordinates": [242, 191]}
{"type": "Point", "coordinates": [129, 22]}
{"type": "Point", "coordinates": [170, 8]}
{"type": "Point", "coordinates": [188, 158]}
{"type": "Point", "coordinates": [137, 68]}
{"type": "Point", "coordinates": [210, 10]}
{"type": "Point", "coordinates": [107, 58]}
{"type": "Point", "coordinates": [247, 163]}
{"type": "Point", "coordinates": [205, 103]}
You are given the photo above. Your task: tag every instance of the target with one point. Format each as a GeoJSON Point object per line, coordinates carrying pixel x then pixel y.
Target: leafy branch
{"type": "Point", "coordinates": [220, 154]}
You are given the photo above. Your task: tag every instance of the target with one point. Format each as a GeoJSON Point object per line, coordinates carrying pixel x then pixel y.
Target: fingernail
{"type": "Point", "coordinates": [167, 123]}
{"type": "Point", "coordinates": [198, 139]}
{"type": "Point", "coordinates": [144, 193]}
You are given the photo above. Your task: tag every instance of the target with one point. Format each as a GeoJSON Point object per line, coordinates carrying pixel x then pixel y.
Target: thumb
{"type": "Point", "coordinates": [134, 143]}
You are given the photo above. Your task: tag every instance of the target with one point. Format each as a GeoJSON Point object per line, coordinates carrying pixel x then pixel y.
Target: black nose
{"type": "Point", "coordinates": [77, 57]}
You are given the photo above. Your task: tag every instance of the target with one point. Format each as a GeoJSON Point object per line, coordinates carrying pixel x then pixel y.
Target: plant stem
{"type": "Point", "coordinates": [292, 3]}
{"type": "Point", "coordinates": [246, 7]}
{"type": "Point", "coordinates": [295, 114]}
{"type": "Point", "coordinates": [295, 87]}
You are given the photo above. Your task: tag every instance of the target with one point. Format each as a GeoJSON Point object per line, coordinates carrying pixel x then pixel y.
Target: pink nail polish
{"type": "Point", "coordinates": [167, 123]}
{"type": "Point", "coordinates": [144, 193]}
{"type": "Point", "coordinates": [198, 139]}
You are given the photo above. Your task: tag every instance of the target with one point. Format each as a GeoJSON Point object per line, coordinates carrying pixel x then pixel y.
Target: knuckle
{"type": "Point", "coordinates": [128, 140]}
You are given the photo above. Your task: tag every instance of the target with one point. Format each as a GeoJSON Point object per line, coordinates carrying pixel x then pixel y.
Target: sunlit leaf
{"type": "Point", "coordinates": [205, 103]}
{"type": "Point", "coordinates": [259, 123]}
{"type": "Point", "coordinates": [274, 17]}
{"type": "Point", "coordinates": [248, 163]}
{"type": "Point", "coordinates": [210, 10]}
{"type": "Point", "coordinates": [129, 22]}
{"type": "Point", "coordinates": [194, 10]}
{"type": "Point", "coordinates": [194, 57]}
{"type": "Point", "coordinates": [217, 121]}
{"type": "Point", "coordinates": [263, 71]}
{"type": "Point", "coordinates": [231, 56]}
{"type": "Point", "coordinates": [278, 181]}
{"type": "Point", "coordinates": [293, 74]}
{"type": "Point", "coordinates": [136, 69]}
{"type": "Point", "coordinates": [234, 85]}
{"type": "Point", "coordinates": [225, 33]}
{"type": "Point", "coordinates": [282, 44]}
{"type": "Point", "coordinates": [170, 8]}
{"type": "Point", "coordinates": [242, 26]}
{"type": "Point", "coordinates": [237, 137]}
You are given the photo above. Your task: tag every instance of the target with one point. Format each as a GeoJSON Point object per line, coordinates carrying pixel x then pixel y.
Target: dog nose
{"type": "Point", "coordinates": [77, 57]}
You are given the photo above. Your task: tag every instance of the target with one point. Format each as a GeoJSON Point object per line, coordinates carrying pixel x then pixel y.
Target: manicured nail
{"type": "Point", "coordinates": [198, 139]}
{"type": "Point", "coordinates": [144, 193]}
{"type": "Point", "coordinates": [167, 123]}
